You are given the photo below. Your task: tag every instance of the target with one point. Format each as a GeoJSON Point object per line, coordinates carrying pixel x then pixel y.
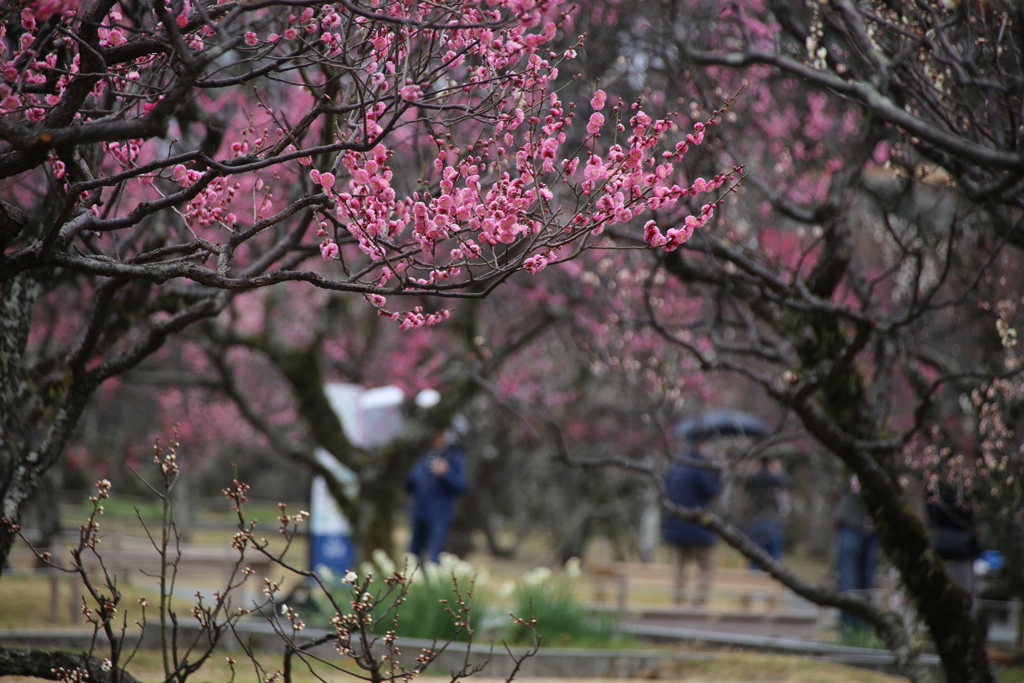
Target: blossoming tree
{"type": "Point", "coordinates": [159, 159]}
{"type": "Point", "coordinates": [866, 281]}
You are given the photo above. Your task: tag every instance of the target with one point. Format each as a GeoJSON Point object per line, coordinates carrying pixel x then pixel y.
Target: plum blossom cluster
{"type": "Point", "coordinates": [211, 205]}
{"type": "Point", "coordinates": [287, 523]}
{"type": "Point", "coordinates": [517, 205]}
{"type": "Point", "coordinates": [168, 462]}
{"type": "Point", "coordinates": [989, 473]}
{"type": "Point", "coordinates": [987, 465]}
{"type": "Point", "coordinates": [23, 77]}
{"type": "Point", "coordinates": [237, 494]}
{"type": "Point", "coordinates": [89, 532]}
{"type": "Point", "coordinates": [292, 616]}
{"type": "Point", "coordinates": [343, 627]}
{"type": "Point", "coordinates": [465, 222]}
{"type": "Point", "coordinates": [999, 465]}
{"type": "Point", "coordinates": [35, 67]}
{"type": "Point", "coordinates": [244, 154]}
{"type": "Point", "coordinates": [66, 675]}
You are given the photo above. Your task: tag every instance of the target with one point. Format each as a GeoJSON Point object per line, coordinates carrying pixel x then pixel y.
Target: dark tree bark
{"type": "Point", "coordinates": [42, 664]}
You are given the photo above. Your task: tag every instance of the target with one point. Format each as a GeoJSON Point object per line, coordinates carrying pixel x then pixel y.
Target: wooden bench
{"type": "Point", "coordinates": [135, 561]}
{"type": "Point", "coordinates": [751, 591]}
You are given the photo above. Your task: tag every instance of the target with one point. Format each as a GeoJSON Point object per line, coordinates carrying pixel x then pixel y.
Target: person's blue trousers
{"type": "Point", "coordinates": [429, 536]}
{"type": "Point", "coordinates": [856, 561]}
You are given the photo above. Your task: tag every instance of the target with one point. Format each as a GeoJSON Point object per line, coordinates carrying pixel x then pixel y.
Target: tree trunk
{"type": "Point", "coordinates": [380, 502]}
{"type": "Point", "coordinates": [18, 432]}
{"type": "Point", "coordinates": [944, 606]}
{"type": "Point", "coordinates": [46, 665]}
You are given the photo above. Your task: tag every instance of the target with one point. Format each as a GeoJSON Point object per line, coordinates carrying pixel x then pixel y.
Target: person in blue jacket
{"type": "Point", "coordinates": [437, 479]}
{"type": "Point", "coordinates": [691, 486]}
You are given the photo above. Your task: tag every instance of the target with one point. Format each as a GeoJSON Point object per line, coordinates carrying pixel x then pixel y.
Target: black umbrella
{"type": "Point", "coordinates": [718, 423]}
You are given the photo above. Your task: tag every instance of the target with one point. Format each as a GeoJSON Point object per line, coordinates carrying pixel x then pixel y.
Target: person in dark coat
{"type": "Point", "coordinates": [953, 535]}
{"type": "Point", "coordinates": [856, 550]}
{"type": "Point", "coordinates": [767, 491]}
{"type": "Point", "coordinates": [691, 486]}
{"type": "Point", "coordinates": [437, 479]}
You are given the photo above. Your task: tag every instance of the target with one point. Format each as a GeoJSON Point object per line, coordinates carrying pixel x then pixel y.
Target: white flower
{"type": "Point", "coordinates": [107, 665]}
{"type": "Point", "coordinates": [447, 560]}
{"type": "Point", "coordinates": [284, 610]}
{"type": "Point", "coordinates": [537, 576]}
{"type": "Point", "coordinates": [431, 571]}
{"type": "Point", "coordinates": [350, 577]}
{"type": "Point", "coordinates": [464, 568]}
{"type": "Point", "coordinates": [412, 566]}
{"type": "Point", "coordinates": [381, 559]}
{"type": "Point", "coordinates": [483, 575]}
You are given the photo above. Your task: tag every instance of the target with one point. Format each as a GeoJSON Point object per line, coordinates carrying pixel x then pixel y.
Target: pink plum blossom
{"type": "Point", "coordinates": [410, 93]}
{"type": "Point", "coordinates": [44, 9]}
{"type": "Point", "coordinates": [329, 250]}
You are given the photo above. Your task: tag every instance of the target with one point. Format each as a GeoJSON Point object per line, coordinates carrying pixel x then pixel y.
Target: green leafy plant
{"type": "Point", "coordinates": [435, 600]}
{"type": "Point", "coordinates": [434, 603]}
{"type": "Point", "coordinates": [550, 606]}
{"type": "Point", "coordinates": [860, 635]}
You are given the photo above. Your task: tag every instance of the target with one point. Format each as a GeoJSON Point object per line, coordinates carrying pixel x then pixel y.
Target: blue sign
{"type": "Point", "coordinates": [370, 417]}
{"type": "Point", "coordinates": [331, 555]}
{"type": "Point", "coordinates": [331, 550]}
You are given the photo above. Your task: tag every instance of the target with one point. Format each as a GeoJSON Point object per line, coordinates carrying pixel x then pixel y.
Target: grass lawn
{"type": "Point", "coordinates": [25, 602]}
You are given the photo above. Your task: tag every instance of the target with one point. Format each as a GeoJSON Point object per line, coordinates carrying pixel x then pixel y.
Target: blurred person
{"type": "Point", "coordinates": [857, 548]}
{"type": "Point", "coordinates": [767, 492]}
{"type": "Point", "coordinates": [954, 538]}
{"type": "Point", "coordinates": [435, 482]}
{"type": "Point", "coordinates": [691, 486]}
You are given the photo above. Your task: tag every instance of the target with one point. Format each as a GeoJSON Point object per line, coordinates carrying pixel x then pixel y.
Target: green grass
{"type": "Point", "coordinates": [856, 636]}
{"type": "Point", "coordinates": [560, 617]}
{"type": "Point", "coordinates": [25, 602]}
{"type": "Point", "coordinates": [751, 667]}
{"type": "Point", "coordinates": [433, 604]}
{"type": "Point", "coordinates": [431, 610]}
